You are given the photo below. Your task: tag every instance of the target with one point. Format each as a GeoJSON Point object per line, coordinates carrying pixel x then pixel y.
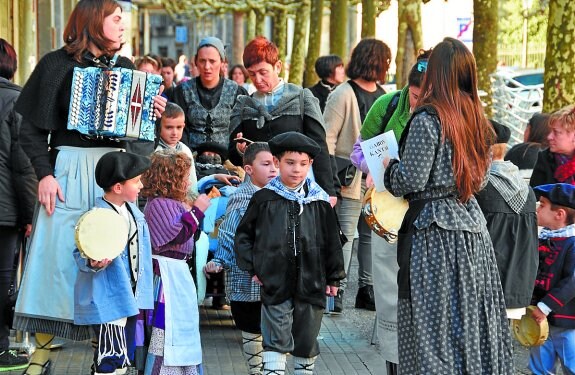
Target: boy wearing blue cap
{"type": "Point", "coordinates": [288, 241]}
{"type": "Point", "coordinates": [554, 292]}
{"type": "Point", "coordinates": [109, 293]}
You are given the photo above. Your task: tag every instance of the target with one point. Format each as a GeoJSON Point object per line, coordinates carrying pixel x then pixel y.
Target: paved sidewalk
{"type": "Point", "coordinates": [345, 344]}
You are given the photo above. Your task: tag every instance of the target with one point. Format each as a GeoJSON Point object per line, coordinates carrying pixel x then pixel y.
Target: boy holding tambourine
{"type": "Point", "coordinates": [111, 289]}
{"type": "Point", "coordinates": [554, 292]}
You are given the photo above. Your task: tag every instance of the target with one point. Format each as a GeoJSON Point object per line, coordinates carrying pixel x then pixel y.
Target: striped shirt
{"type": "Point", "coordinates": [240, 286]}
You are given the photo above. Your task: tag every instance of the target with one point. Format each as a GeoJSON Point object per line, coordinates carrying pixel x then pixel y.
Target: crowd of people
{"type": "Point", "coordinates": [473, 251]}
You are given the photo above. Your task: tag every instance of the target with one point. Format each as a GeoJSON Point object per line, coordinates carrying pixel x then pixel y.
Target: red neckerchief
{"type": "Point", "coordinates": [565, 172]}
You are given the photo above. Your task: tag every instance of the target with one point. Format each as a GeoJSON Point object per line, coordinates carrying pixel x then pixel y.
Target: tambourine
{"type": "Point", "coordinates": [101, 233]}
{"type": "Point", "coordinates": [384, 213]}
{"type": "Point", "coordinates": [528, 332]}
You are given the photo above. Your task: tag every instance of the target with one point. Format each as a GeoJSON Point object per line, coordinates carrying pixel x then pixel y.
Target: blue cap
{"type": "Point", "coordinates": [559, 194]}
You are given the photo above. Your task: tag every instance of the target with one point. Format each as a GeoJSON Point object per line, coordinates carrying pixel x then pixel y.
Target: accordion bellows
{"type": "Point", "coordinates": [113, 103]}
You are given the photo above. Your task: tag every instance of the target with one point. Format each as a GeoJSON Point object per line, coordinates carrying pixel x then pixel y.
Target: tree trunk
{"type": "Point", "coordinates": [368, 17]}
{"type": "Point", "coordinates": [314, 42]}
{"type": "Point", "coordinates": [298, 51]}
{"type": "Point", "coordinates": [485, 15]}
{"type": "Point", "coordinates": [409, 13]}
{"type": "Point", "coordinates": [238, 39]}
{"type": "Point", "coordinates": [338, 28]}
{"type": "Point", "coordinates": [260, 21]}
{"type": "Point", "coordinates": [280, 35]}
{"type": "Point", "coordinates": [559, 75]}
{"type": "Point", "coordinates": [251, 25]}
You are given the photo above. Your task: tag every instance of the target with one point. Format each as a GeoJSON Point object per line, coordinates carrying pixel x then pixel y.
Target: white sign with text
{"type": "Point", "coordinates": [375, 150]}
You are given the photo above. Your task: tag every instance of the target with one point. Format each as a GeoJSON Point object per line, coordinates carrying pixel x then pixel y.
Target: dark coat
{"type": "Point", "coordinates": [514, 238]}
{"type": "Point", "coordinates": [321, 91]}
{"type": "Point", "coordinates": [264, 247]}
{"type": "Point", "coordinates": [544, 169]}
{"type": "Point", "coordinates": [18, 182]}
{"type": "Point", "coordinates": [321, 165]}
{"type": "Point", "coordinates": [555, 285]}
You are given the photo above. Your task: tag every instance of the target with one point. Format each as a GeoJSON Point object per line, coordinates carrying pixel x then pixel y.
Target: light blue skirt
{"type": "Point", "coordinates": [46, 297]}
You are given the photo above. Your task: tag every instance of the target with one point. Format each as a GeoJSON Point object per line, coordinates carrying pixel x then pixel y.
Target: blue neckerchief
{"type": "Point", "coordinates": [315, 192]}
{"type": "Point", "coordinates": [568, 231]}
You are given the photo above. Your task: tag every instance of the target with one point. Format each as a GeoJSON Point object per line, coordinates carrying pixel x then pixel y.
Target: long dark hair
{"type": "Point", "coordinates": [450, 86]}
{"type": "Point", "coordinates": [86, 25]}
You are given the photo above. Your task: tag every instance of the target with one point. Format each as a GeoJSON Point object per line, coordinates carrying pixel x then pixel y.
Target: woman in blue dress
{"type": "Point", "coordinates": [64, 162]}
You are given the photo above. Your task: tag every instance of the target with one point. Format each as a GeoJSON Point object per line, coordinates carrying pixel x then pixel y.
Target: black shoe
{"type": "Point", "coordinates": [10, 360]}
{"type": "Point", "coordinates": [365, 299]}
{"type": "Point", "coordinates": [338, 303]}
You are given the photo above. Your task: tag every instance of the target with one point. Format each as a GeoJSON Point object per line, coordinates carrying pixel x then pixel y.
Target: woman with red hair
{"type": "Point", "coordinates": [451, 310]}
{"type": "Point", "coordinates": [277, 107]}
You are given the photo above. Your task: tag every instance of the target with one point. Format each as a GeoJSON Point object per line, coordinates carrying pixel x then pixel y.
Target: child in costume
{"type": "Point", "coordinates": [554, 293]}
{"type": "Point", "coordinates": [109, 293]}
{"type": "Point", "coordinates": [173, 221]}
{"type": "Point", "coordinates": [244, 294]}
{"type": "Point", "coordinates": [288, 240]}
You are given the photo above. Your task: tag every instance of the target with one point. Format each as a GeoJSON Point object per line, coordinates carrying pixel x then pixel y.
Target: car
{"type": "Point", "coordinates": [521, 78]}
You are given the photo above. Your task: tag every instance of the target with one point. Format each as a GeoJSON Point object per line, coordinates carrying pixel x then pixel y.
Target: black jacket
{"type": "Point", "coordinates": [523, 155]}
{"type": "Point", "coordinates": [264, 247]}
{"type": "Point", "coordinates": [514, 238]}
{"type": "Point", "coordinates": [322, 164]}
{"type": "Point", "coordinates": [544, 169]}
{"type": "Point", "coordinates": [18, 182]}
{"type": "Point", "coordinates": [321, 91]}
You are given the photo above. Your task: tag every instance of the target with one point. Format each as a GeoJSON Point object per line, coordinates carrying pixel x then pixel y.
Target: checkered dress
{"type": "Point", "coordinates": [454, 320]}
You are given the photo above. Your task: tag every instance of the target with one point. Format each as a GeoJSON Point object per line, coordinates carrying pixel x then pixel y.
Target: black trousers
{"type": "Point", "coordinates": [10, 240]}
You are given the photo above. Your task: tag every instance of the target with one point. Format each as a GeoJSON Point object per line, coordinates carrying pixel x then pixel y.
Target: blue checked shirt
{"type": "Point", "coordinates": [271, 99]}
{"type": "Point", "coordinates": [240, 286]}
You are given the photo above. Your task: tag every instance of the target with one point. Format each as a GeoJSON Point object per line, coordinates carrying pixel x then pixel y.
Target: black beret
{"type": "Point", "coordinates": [213, 147]}
{"type": "Point", "coordinates": [294, 141]}
{"type": "Point", "coordinates": [119, 166]}
{"type": "Point", "coordinates": [502, 132]}
{"type": "Point", "coordinates": [559, 194]}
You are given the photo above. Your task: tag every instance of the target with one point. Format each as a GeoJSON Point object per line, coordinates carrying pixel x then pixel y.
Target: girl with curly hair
{"type": "Point", "coordinates": [173, 220]}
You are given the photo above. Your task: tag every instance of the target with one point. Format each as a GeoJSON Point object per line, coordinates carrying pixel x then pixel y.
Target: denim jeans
{"type": "Point", "coordinates": [348, 211]}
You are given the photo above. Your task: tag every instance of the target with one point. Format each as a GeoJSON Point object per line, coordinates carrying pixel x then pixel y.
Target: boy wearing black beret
{"type": "Point", "coordinates": [288, 240]}
{"type": "Point", "coordinates": [108, 294]}
{"type": "Point", "coordinates": [554, 292]}
{"type": "Point", "coordinates": [508, 204]}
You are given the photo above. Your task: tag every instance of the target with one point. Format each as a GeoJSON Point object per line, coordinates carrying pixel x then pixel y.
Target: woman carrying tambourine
{"type": "Point", "coordinates": [389, 112]}
{"type": "Point", "coordinates": [451, 308]}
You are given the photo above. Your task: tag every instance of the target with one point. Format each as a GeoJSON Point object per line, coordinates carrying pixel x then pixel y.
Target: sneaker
{"type": "Point", "coordinates": [10, 360]}
{"type": "Point", "coordinates": [365, 298]}
{"type": "Point", "coordinates": [338, 303]}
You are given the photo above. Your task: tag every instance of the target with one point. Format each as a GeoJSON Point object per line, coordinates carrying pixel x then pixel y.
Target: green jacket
{"type": "Point", "coordinates": [372, 125]}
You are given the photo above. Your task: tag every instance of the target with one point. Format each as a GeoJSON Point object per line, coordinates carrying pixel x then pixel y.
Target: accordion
{"type": "Point", "coordinates": [113, 103]}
